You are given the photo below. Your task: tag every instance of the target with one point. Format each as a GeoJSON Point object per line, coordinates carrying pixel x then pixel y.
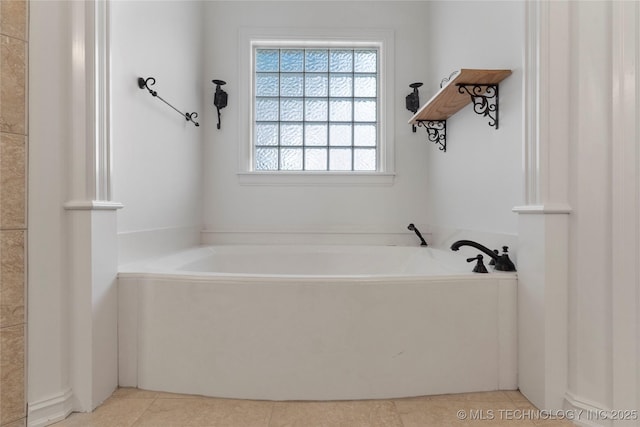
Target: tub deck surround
{"type": "Point", "coordinates": [316, 323]}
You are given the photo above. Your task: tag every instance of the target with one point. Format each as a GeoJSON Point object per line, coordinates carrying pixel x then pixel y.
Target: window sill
{"type": "Point", "coordinates": [316, 178]}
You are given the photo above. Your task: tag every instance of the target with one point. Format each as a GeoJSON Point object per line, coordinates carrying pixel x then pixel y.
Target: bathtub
{"type": "Point", "coordinates": [316, 323]}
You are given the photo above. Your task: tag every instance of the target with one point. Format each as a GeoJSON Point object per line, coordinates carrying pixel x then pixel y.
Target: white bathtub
{"type": "Point", "coordinates": [316, 323]}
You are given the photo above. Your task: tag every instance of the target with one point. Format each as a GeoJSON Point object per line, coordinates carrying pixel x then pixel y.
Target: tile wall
{"type": "Point", "coordinates": [13, 210]}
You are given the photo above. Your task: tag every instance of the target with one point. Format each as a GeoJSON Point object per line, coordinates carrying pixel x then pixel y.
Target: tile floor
{"type": "Point", "coordinates": [130, 407]}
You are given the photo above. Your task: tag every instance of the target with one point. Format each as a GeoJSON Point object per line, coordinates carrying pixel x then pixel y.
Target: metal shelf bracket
{"type": "Point", "coordinates": [436, 132]}
{"type": "Point", "coordinates": [485, 100]}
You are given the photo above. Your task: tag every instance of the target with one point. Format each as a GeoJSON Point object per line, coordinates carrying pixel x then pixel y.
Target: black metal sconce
{"type": "Point", "coordinates": [413, 100]}
{"type": "Point", "coordinates": [220, 97]}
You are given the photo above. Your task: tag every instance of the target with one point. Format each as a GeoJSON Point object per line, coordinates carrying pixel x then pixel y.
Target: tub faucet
{"type": "Point", "coordinates": [502, 262]}
{"type": "Point", "coordinates": [415, 230]}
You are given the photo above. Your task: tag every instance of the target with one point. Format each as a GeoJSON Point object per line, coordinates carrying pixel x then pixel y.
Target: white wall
{"type": "Point", "coordinates": [476, 183]}
{"type": "Point", "coordinates": [157, 165]}
{"type": "Point", "coordinates": [252, 210]}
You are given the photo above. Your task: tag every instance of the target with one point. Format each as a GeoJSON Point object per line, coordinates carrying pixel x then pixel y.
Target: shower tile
{"type": "Point", "coordinates": [13, 181]}
{"type": "Point", "coordinates": [12, 374]}
{"type": "Point", "coordinates": [113, 413]}
{"type": "Point", "coordinates": [13, 18]}
{"type": "Point", "coordinates": [206, 412]}
{"type": "Point", "coordinates": [371, 413]}
{"type": "Point", "coordinates": [12, 266]}
{"type": "Point", "coordinates": [13, 54]}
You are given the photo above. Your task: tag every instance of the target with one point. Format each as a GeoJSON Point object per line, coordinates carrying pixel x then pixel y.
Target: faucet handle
{"type": "Point", "coordinates": [493, 261]}
{"type": "Point", "coordinates": [479, 268]}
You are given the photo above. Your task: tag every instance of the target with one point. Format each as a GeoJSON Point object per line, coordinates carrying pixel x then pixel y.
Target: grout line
{"type": "Point", "coordinates": [273, 405]}
{"type": "Point", "coordinates": [144, 412]}
{"type": "Point", "coordinates": [14, 133]}
{"type": "Point", "coordinates": [395, 408]}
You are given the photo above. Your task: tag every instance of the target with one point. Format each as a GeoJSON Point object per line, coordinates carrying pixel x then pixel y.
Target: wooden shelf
{"type": "Point", "coordinates": [449, 100]}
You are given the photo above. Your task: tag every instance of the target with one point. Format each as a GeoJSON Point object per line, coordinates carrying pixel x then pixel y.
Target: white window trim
{"type": "Point", "coordinates": [251, 37]}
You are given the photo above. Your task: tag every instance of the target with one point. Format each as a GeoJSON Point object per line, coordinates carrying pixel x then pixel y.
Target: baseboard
{"type": "Point", "coordinates": [51, 410]}
{"type": "Point", "coordinates": [586, 413]}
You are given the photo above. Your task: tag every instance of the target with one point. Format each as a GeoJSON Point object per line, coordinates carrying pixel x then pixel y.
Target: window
{"type": "Point", "coordinates": [316, 109]}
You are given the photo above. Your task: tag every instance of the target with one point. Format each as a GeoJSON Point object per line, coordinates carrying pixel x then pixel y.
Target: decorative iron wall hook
{"type": "Point", "coordinates": [220, 97]}
{"type": "Point", "coordinates": [150, 81]}
{"type": "Point", "coordinates": [412, 101]}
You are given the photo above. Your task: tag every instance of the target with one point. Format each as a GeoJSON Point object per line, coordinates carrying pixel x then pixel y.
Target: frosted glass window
{"type": "Point", "coordinates": [267, 158]}
{"type": "Point", "coordinates": [364, 160]}
{"type": "Point", "coordinates": [316, 85]}
{"type": "Point", "coordinates": [291, 85]}
{"type": "Point", "coordinates": [340, 135]}
{"type": "Point", "coordinates": [340, 159]}
{"type": "Point", "coordinates": [365, 61]}
{"type": "Point", "coordinates": [267, 84]}
{"type": "Point", "coordinates": [266, 109]}
{"type": "Point", "coordinates": [292, 60]}
{"type": "Point", "coordinates": [267, 134]}
{"type": "Point", "coordinates": [267, 60]}
{"type": "Point", "coordinates": [365, 135]}
{"type": "Point", "coordinates": [315, 159]}
{"type": "Point", "coordinates": [290, 109]}
{"type": "Point", "coordinates": [315, 134]}
{"type": "Point", "coordinates": [290, 134]}
{"type": "Point", "coordinates": [291, 159]}
{"type": "Point", "coordinates": [365, 86]}
{"type": "Point", "coordinates": [316, 60]}
{"type": "Point", "coordinates": [341, 85]}
{"type": "Point", "coordinates": [316, 109]}
{"type": "Point", "coordinates": [341, 61]}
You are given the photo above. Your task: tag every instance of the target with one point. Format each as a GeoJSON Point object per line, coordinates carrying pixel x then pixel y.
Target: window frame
{"type": "Point", "coordinates": [252, 38]}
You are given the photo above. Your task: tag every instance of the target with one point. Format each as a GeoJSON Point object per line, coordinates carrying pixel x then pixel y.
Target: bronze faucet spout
{"type": "Point", "coordinates": [502, 262]}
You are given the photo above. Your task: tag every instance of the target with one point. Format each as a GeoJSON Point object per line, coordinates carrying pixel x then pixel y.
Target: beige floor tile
{"type": "Point", "coordinates": [483, 396]}
{"type": "Point", "coordinates": [517, 397]}
{"type": "Point", "coordinates": [131, 407]}
{"type": "Point", "coordinates": [133, 393]}
{"type": "Point", "coordinates": [370, 413]}
{"type": "Point", "coordinates": [199, 412]}
{"type": "Point", "coordinates": [138, 393]}
{"type": "Point", "coordinates": [458, 412]}
{"type": "Point", "coordinates": [554, 423]}
{"type": "Point", "coordinates": [113, 413]}
{"type": "Point", "coordinates": [167, 395]}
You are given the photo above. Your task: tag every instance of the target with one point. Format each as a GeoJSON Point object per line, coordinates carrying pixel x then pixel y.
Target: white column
{"type": "Point", "coordinates": [73, 244]}
{"type": "Point", "coordinates": [579, 230]}
{"type": "Point", "coordinates": [543, 220]}
{"type": "Point", "coordinates": [91, 215]}
{"type": "Point", "coordinates": [626, 209]}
